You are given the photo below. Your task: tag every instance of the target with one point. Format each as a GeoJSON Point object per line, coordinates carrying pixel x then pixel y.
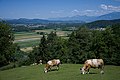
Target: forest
{"type": "Point", "coordinates": [82, 44]}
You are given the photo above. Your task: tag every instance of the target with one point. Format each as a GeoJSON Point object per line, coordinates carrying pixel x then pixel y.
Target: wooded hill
{"type": "Point", "coordinates": [102, 23]}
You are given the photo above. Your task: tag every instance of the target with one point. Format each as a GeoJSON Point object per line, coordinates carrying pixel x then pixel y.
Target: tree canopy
{"type": "Point", "coordinates": [83, 44]}
{"type": "Point", "coordinates": [6, 43]}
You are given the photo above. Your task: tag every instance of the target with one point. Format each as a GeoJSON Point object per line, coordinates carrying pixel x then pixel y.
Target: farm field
{"type": "Point", "coordinates": [30, 39]}
{"type": "Point", "coordinates": [33, 35]}
{"type": "Point", "coordinates": [28, 43]}
{"type": "Point", "coordinates": [25, 35]}
{"type": "Point", "coordinates": [66, 72]}
{"type": "Point", "coordinates": [27, 39]}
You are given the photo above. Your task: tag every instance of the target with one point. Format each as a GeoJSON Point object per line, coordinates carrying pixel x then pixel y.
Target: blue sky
{"type": "Point", "coordinates": [44, 9]}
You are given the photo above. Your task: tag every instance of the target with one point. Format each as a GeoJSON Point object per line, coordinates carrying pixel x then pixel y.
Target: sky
{"type": "Point", "coordinates": [43, 9]}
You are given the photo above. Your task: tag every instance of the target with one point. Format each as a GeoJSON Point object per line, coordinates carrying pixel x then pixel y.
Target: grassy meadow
{"type": "Point", "coordinates": [66, 72]}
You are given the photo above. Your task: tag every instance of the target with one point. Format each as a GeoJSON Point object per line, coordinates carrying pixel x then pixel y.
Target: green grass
{"type": "Point", "coordinates": [66, 72]}
{"type": "Point", "coordinates": [29, 43]}
{"type": "Point", "coordinates": [26, 35]}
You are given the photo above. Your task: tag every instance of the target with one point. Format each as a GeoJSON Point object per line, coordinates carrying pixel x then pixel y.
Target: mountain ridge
{"type": "Point", "coordinates": [73, 19]}
{"type": "Point", "coordinates": [109, 16]}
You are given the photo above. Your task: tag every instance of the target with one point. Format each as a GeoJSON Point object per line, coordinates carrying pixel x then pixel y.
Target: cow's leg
{"type": "Point", "coordinates": [50, 68]}
{"type": "Point", "coordinates": [87, 69]}
{"type": "Point", "coordinates": [101, 69]}
{"type": "Point", "coordinates": [45, 70]}
{"type": "Point", "coordinates": [57, 67]}
{"type": "Point", "coordinates": [102, 72]}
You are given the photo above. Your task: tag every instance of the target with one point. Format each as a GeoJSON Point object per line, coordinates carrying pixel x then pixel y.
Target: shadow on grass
{"type": "Point", "coordinates": [53, 70]}
{"type": "Point", "coordinates": [92, 73]}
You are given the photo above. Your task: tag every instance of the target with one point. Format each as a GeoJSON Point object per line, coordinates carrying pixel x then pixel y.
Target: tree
{"type": "Point", "coordinates": [6, 43]}
{"type": "Point", "coordinates": [115, 56]}
{"type": "Point", "coordinates": [79, 45]}
{"type": "Point", "coordinates": [98, 44]}
{"type": "Point", "coordinates": [52, 47]}
{"type": "Point", "coordinates": [42, 50]}
{"type": "Point", "coordinates": [108, 47]}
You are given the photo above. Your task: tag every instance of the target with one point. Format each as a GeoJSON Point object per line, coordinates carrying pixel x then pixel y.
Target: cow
{"type": "Point", "coordinates": [50, 64]}
{"type": "Point", "coordinates": [92, 63]}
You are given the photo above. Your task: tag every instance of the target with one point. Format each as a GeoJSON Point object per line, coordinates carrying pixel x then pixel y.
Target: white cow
{"type": "Point", "coordinates": [92, 63]}
{"type": "Point", "coordinates": [51, 63]}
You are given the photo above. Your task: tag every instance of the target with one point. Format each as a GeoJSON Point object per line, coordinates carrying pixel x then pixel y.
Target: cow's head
{"type": "Point", "coordinates": [46, 68]}
{"type": "Point", "coordinates": [82, 70]}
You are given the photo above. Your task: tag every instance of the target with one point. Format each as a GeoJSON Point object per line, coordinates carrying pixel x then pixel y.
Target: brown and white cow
{"type": "Point", "coordinates": [92, 63]}
{"type": "Point", "coordinates": [52, 63]}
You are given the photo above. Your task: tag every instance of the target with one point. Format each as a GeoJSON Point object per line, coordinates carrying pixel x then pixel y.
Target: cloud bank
{"type": "Point", "coordinates": [110, 7]}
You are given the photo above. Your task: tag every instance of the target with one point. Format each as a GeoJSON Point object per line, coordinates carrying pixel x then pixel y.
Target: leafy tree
{"type": "Point", "coordinates": [49, 48]}
{"type": "Point", "coordinates": [32, 55]}
{"type": "Point", "coordinates": [79, 45]}
{"type": "Point", "coordinates": [6, 43]}
{"type": "Point", "coordinates": [109, 45]}
{"type": "Point", "coordinates": [43, 50]}
{"type": "Point", "coordinates": [82, 44]}
{"type": "Point", "coordinates": [98, 44]}
{"type": "Point", "coordinates": [40, 52]}
{"type": "Point", "coordinates": [116, 53]}
{"type": "Point", "coordinates": [52, 45]}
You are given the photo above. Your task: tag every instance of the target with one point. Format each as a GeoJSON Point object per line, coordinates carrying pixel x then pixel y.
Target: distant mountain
{"type": "Point", "coordinates": [26, 21]}
{"type": "Point", "coordinates": [102, 23]}
{"type": "Point", "coordinates": [77, 17]}
{"type": "Point", "coordinates": [73, 19]}
{"type": "Point", "coordinates": [110, 16]}
{"type": "Point", "coordinates": [39, 21]}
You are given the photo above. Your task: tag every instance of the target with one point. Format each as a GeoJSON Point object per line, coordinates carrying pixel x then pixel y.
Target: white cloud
{"type": "Point", "coordinates": [101, 12]}
{"type": "Point", "coordinates": [110, 7]}
{"type": "Point", "coordinates": [89, 10]}
{"type": "Point", "coordinates": [114, 8]}
{"type": "Point", "coordinates": [75, 11]}
{"type": "Point", "coordinates": [103, 6]}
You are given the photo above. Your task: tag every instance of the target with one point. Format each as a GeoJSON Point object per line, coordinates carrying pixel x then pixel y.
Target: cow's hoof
{"type": "Point", "coordinates": [102, 72]}
{"type": "Point", "coordinates": [88, 72]}
{"type": "Point", "coordinates": [45, 71]}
